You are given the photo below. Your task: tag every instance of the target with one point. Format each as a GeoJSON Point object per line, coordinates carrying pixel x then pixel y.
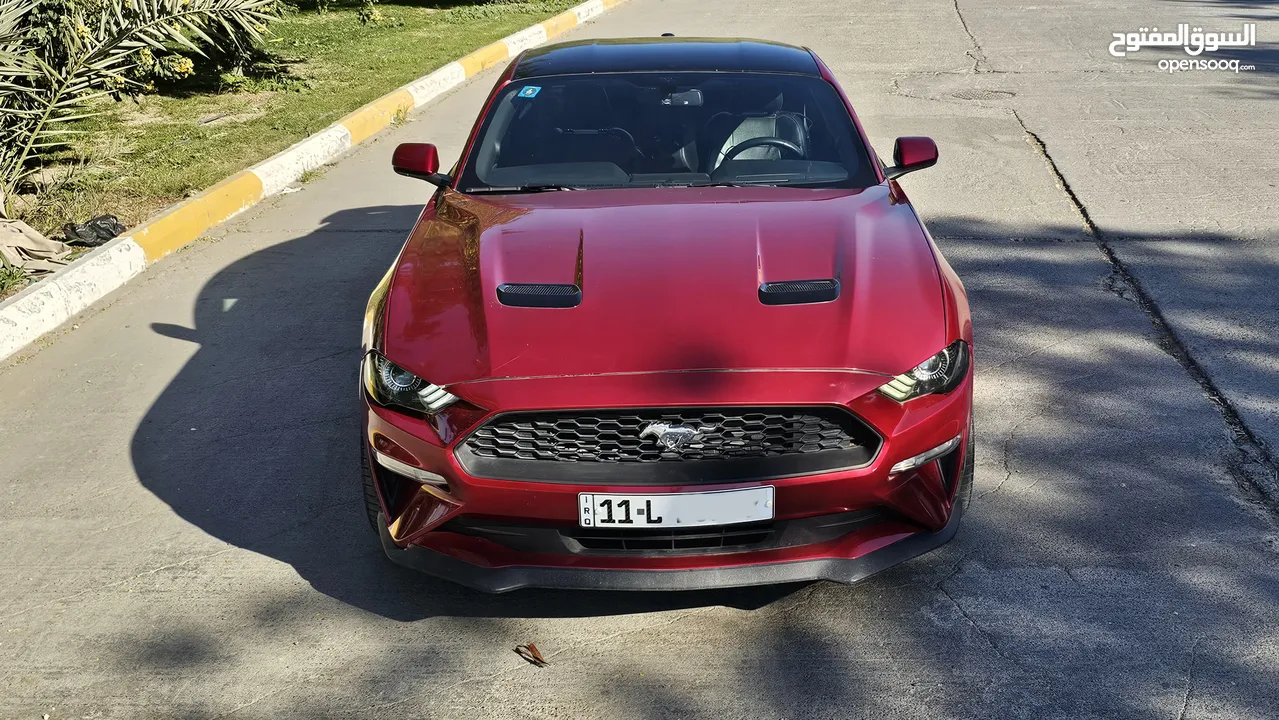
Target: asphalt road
{"type": "Point", "coordinates": [180, 524]}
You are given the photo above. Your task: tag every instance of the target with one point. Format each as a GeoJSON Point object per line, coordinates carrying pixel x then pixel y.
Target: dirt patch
{"type": "Point", "coordinates": [145, 116]}
{"type": "Point", "coordinates": [230, 118]}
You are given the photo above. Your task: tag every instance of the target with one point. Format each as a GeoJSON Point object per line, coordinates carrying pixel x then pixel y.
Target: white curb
{"type": "Point", "coordinates": [283, 170]}
{"type": "Point", "coordinates": [46, 305]}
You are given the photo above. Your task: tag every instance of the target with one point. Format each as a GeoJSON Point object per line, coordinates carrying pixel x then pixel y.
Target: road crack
{"type": "Point", "coordinates": [981, 631]}
{"type": "Point", "coordinates": [1190, 679]}
{"type": "Point", "coordinates": [1007, 453]}
{"type": "Point", "coordinates": [940, 586]}
{"type": "Point", "coordinates": [976, 54]}
{"type": "Point", "coordinates": [1252, 465]}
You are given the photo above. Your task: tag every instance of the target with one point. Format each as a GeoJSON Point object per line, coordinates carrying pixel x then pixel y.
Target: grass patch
{"type": "Point", "coordinates": [12, 279]}
{"type": "Point", "coordinates": [312, 175]}
{"type": "Point", "coordinates": [144, 155]}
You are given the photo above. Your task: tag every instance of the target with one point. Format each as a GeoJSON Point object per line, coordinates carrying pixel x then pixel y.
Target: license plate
{"type": "Point", "coordinates": [668, 510]}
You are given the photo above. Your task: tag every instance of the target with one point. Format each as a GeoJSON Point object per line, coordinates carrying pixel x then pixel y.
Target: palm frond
{"type": "Point", "coordinates": [40, 96]}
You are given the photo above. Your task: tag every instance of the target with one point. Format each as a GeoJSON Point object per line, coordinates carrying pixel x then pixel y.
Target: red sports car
{"type": "Point", "coordinates": [668, 323]}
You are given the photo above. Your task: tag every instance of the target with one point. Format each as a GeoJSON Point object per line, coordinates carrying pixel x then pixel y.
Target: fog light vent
{"type": "Point", "coordinates": [926, 457]}
{"type": "Point", "coordinates": [425, 477]}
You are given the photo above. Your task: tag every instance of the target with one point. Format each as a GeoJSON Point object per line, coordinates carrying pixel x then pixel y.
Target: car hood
{"type": "Point", "coordinates": [670, 281]}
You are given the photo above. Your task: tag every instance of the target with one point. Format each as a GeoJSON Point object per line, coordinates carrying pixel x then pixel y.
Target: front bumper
{"type": "Point", "coordinates": [923, 506]}
{"type": "Point", "coordinates": [505, 579]}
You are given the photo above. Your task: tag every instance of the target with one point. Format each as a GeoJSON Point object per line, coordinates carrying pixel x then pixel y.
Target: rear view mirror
{"type": "Point", "coordinates": [421, 161]}
{"type": "Point", "coordinates": [911, 154]}
{"type": "Point", "coordinates": [688, 98]}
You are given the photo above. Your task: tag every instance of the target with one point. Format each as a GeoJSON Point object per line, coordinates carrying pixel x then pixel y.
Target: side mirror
{"type": "Point", "coordinates": [911, 154]}
{"type": "Point", "coordinates": [421, 161]}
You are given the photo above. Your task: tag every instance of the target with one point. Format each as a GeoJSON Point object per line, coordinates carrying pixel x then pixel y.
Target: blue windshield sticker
{"type": "Point", "coordinates": [530, 91]}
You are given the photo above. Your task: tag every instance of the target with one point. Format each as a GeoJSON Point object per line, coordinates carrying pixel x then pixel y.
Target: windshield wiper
{"type": "Point", "coordinates": [710, 184]}
{"type": "Point", "coordinates": [529, 188]}
{"type": "Point", "coordinates": [698, 184]}
{"type": "Point", "coordinates": [799, 183]}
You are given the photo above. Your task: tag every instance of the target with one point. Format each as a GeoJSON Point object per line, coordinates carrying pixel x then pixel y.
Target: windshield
{"type": "Point", "coordinates": [666, 129]}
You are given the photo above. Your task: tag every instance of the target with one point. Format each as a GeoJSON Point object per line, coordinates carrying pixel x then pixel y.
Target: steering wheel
{"type": "Point", "coordinates": [621, 131]}
{"type": "Point", "coordinates": [745, 145]}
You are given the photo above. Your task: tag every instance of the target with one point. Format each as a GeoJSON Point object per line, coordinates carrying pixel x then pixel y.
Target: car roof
{"type": "Point", "coordinates": [667, 54]}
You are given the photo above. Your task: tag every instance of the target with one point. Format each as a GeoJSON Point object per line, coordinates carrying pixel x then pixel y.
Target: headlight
{"type": "Point", "coordinates": [940, 373]}
{"type": "Point", "coordinates": [390, 384]}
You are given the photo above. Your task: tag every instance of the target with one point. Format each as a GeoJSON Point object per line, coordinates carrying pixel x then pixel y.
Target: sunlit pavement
{"type": "Point", "coordinates": [181, 532]}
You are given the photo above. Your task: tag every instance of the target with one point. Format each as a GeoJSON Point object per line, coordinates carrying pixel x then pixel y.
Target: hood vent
{"type": "Point", "coordinates": [539, 296]}
{"type": "Point", "coordinates": [798, 292]}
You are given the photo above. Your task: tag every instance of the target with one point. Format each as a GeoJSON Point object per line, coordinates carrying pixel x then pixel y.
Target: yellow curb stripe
{"type": "Point", "coordinates": [484, 58]}
{"type": "Point", "coordinates": [377, 115]}
{"type": "Point", "coordinates": [560, 24]}
{"type": "Point", "coordinates": [188, 221]}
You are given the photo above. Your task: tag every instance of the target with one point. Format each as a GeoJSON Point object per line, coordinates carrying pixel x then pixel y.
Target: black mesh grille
{"type": "Point", "coordinates": [719, 537]}
{"type": "Point", "coordinates": [571, 539]}
{"type": "Point", "coordinates": [625, 446]}
{"type": "Point", "coordinates": [616, 436]}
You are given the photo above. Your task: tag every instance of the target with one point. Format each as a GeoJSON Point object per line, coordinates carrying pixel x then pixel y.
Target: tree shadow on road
{"type": "Point", "coordinates": [1242, 9]}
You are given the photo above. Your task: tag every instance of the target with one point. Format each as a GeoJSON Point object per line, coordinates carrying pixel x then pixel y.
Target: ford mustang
{"type": "Point", "coordinates": [668, 323]}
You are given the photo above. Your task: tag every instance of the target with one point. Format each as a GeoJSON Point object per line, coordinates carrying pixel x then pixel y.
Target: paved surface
{"type": "Point", "coordinates": [180, 528]}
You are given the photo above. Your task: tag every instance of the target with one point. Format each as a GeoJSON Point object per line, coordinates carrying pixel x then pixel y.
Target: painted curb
{"type": "Point", "coordinates": [45, 306]}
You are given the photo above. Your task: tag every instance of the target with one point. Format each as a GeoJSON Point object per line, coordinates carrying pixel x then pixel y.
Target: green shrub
{"type": "Point", "coordinates": [56, 56]}
{"type": "Point", "coordinates": [369, 13]}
